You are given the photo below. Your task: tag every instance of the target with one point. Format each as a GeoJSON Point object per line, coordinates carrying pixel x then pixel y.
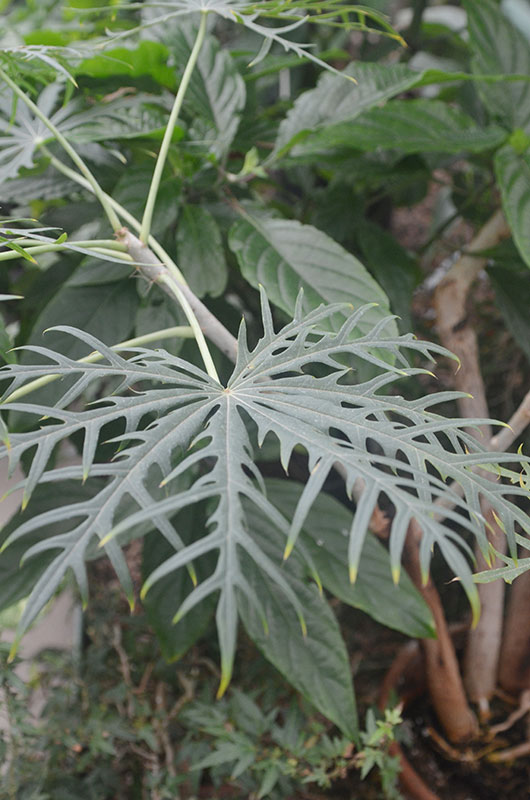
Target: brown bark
{"type": "Point", "coordinates": [514, 667]}
{"type": "Point", "coordinates": [443, 674]}
{"type": "Point", "coordinates": [458, 335]}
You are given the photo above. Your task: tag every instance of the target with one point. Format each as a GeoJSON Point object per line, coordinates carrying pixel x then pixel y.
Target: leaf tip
{"type": "Point", "coordinates": [105, 540]}
{"type": "Point", "coordinates": [396, 573]}
{"type": "Point", "coordinates": [288, 550]}
{"type": "Point", "coordinates": [223, 685]}
{"type": "Point", "coordinates": [13, 650]}
{"type": "Point", "coordinates": [353, 574]}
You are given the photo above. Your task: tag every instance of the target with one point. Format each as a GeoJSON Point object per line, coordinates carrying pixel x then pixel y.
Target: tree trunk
{"type": "Point", "coordinates": [514, 669]}
{"type": "Point", "coordinates": [457, 333]}
{"type": "Point", "coordinates": [443, 674]}
{"type": "Point", "coordinates": [484, 641]}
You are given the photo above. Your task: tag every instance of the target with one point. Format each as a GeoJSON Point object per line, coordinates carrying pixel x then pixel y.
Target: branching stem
{"type": "Point", "coordinates": [209, 324]}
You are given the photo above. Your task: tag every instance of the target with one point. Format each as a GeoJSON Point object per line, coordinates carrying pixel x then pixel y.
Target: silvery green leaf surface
{"type": "Point", "coordinates": [175, 419]}
{"type": "Point", "coordinates": [21, 133]}
{"type": "Point", "coordinates": [291, 13]}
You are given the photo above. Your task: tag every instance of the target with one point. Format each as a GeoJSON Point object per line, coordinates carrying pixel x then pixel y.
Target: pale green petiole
{"type": "Point", "coordinates": [179, 331]}
{"type": "Point", "coordinates": [174, 272]}
{"type": "Point", "coordinates": [170, 127]}
{"type": "Point", "coordinates": [37, 249]}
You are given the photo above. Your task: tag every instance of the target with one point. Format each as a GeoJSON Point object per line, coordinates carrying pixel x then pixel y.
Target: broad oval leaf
{"type": "Point", "coordinates": [499, 48]}
{"type": "Point", "coordinates": [513, 175]}
{"type": "Point", "coordinates": [200, 251]}
{"type": "Point", "coordinates": [336, 100]}
{"type": "Point", "coordinates": [324, 537]}
{"type": "Point", "coordinates": [316, 663]}
{"type": "Point", "coordinates": [285, 256]}
{"type": "Point", "coordinates": [410, 126]}
{"type": "Point", "coordinates": [512, 296]}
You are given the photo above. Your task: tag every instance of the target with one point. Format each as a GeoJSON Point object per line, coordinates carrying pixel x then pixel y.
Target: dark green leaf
{"type": "Point", "coordinates": [499, 48]}
{"type": "Point", "coordinates": [18, 580]}
{"type": "Point", "coordinates": [512, 295]}
{"type": "Point", "coordinates": [216, 93]}
{"type": "Point", "coordinates": [285, 256]}
{"type": "Point", "coordinates": [125, 118]}
{"type": "Point", "coordinates": [6, 344]}
{"type": "Point", "coordinates": [411, 126]}
{"type": "Point", "coordinates": [324, 537]}
{"type": "Point", "coordinates": [316, 664]}
{"type": "Point", "coordinates": [164, 600]}
{"type": "Point", "coordinates": [513, 176]}
{"type": "Point", "coordinates": [200, 251]}
{"type": "Point", "coordinates": [395, 270]}
{"type": "Point", "coordinates": [338, 100]}
{"type": "Point", "coordinates": [107, 311]}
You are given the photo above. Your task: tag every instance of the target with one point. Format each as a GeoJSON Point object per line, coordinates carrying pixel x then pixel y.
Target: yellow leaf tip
{"type": "Point", "coordinates": [288, 550]}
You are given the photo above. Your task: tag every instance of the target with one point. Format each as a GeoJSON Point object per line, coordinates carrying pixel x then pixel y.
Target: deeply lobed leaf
{"type": "Point", "coordinates": [176, 421]}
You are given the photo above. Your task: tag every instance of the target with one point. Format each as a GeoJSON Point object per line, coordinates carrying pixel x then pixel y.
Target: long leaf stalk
{"type": "Point", "coordinates": [108, 244]}
{"type": "Point", "coordinates": [178, 331]}
{"type": "Point", "coordinates": [170, 127]}
{"type": "Point", "coordinates": [67, 147]}
{"type": "Point", "coordinates": [155, 271]}
{"type": "Point", "coordinates": [115, 253]}
{"type": "Point", "coordinates": [214, 330]}
{"type": "Point", "coordinates": [173, 286]}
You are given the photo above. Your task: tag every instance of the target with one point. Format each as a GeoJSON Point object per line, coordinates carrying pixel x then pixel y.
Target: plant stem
{"type": "Point", "coordinates": [156, 272]}
{"type": "Point", "coordinates": [9, 255]}
{"type": "Point", "coordinates": [170, 127]}
{"type": "Point", "coordinates": [458, 335]}
{"type": "Point", "coordinates": [67, 147]}
{"type": "Point", "coordinates": [108, 244]}
{"type": "Point", "coordinates": [215, 330]}
{"type": "Point", "coordinates": [181, 331]}
{"type": "Point", "coordinates": [122, 212]}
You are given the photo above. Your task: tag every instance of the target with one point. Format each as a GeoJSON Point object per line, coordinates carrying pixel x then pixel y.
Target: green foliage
{"type": "Point", "coordinates": [123, 713]}
{"type": "Point", "coordinates": [282, 186]}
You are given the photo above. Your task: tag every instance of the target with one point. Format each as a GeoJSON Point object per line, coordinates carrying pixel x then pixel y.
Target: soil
{"type": "Point", "coordinates": [472, 777]}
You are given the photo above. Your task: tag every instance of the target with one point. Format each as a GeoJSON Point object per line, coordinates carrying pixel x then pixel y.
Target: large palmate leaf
{"type": "Point", "coordinates": [294, 14]}
{"type": "Point", "coordinates": [22, 134]}
{"type": "Point", "coordinates": [179, 421]}
{"type": "Point", "coordinates": [498, 47]}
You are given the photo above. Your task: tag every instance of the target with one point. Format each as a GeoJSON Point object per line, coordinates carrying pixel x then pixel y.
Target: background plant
{"type": "Point", "coordinates": [278, 189]}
